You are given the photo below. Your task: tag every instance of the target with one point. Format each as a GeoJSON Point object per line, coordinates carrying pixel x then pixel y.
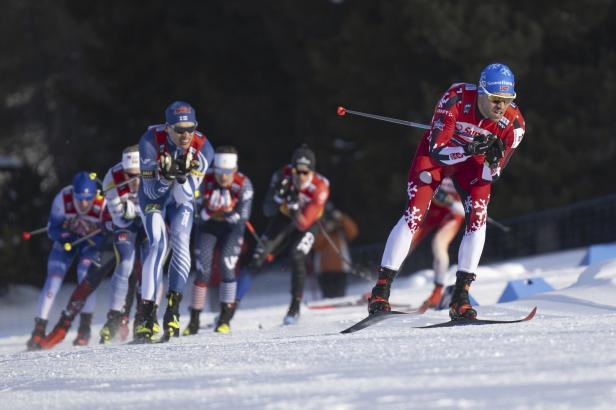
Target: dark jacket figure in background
{"type": "Point", "coordinates": [294, 202]}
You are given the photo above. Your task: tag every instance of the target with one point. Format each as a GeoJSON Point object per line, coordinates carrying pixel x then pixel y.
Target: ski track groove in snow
{"type": "Point", "coordinates": [564, 358]}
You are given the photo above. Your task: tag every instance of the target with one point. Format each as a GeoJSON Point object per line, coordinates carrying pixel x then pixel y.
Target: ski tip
{"type": "Point", "coordinates": [532, 313]}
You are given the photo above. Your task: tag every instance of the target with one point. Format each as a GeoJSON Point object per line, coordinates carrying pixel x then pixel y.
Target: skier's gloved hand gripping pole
{"type": "Point", "coordinates": [253, 231]}
{"type": "Point", "coordinates": [354, 269]}
{"type": "Point", "coordinates": [27, 235]}
{"type": "Point", "coordinates": [114, 186]}
{"type": "Point", "coordinates": [481, 148]}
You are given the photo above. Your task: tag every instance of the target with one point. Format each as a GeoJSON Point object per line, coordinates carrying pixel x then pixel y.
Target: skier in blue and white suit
{"type": "Point", "coordinates": [174, 158]}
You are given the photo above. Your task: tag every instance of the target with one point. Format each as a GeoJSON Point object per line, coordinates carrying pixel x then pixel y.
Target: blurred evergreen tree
{"type": "Point", "coordinates": [79, 81]}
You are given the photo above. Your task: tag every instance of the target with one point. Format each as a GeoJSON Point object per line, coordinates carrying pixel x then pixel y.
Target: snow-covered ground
{"type": "Point", "coordinates": [564, 358]}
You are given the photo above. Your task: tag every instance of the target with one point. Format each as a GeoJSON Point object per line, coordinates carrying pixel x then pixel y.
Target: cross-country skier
{"type": "Point", "coordinates": [295, 200]}
{"type": "Point", "coordinates": [77, 211]}
{"type": "Point", "coordinates": [120, 186]}
{"type": "Point", "coordinates": [446, 216]}
{"type": "Point", "coordinates": [226, 203]}
{"type": "Point", "coordinates": [474, 132]}
{"type": "Point", "coordinates": [174, 157]}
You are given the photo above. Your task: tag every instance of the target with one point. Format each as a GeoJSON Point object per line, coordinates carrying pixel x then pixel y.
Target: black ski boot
{"type": "Point", "coordinates": [460, 306]}
{"type": "Point", "coordinates": [156, 325]}
{"type": "Point", "coordinates": [37, 334]}
{"type": "Point", "coordinates": [227, 310]}
{"type": "Point", "coordinates": [293, 313]}
{"type": "Point", "coordinates": [111, 327]}
{"type": "Point", "coordinates": [83, 332]}
{"type": "Point", "coordinates": [193, 325]}
{"type": "Point", "coordinates": [171, 319]}
{"type": "Point", "coordinates": [144, 324]}
{"type": "Point", "coordinates": [379, 299]}
{"type": "Point", "coordinates": [139, 316]}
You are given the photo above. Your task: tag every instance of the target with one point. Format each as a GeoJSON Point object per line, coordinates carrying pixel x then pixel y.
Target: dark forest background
{"type": "Point", "coordinates": [81, 80]}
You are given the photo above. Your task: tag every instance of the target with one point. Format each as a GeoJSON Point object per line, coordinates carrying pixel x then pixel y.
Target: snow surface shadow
{"type": "Point", "coordinates": [574, 301]}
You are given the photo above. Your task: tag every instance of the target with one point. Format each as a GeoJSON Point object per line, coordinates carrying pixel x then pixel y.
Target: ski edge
{"type": "Point", "coordinates": [452, 323]}
{"type": "Point", "coordinates": [372, 319]}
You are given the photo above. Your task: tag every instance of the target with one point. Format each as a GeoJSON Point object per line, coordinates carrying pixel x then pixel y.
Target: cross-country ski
{"type": "Point", "coordinates": [478, 322]}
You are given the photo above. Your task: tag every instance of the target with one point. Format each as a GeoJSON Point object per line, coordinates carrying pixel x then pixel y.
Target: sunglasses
{"type": "Point", "coordinates": [498, 98]}
{"type": "Point", "coordinates": [223, 171]}
{"type": "Point", "coordinates": [182, 130]}
{"type": "Point", "coordinates": [495, 98]}
{"type": "Point", "coordinates": [83, 197]}
{"type": "Point", "coordinates": [298, 172]}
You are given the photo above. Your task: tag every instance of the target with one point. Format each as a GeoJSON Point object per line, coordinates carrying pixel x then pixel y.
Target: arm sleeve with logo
{"type": "Point", "coordinates": [114, 203]}
{"type": "Point", "coordinates": [313, 209]}
{"type": "Point", "coordinates": [55, 224]}
{"type": "Point", "coordinates": [244, 203]}
{"type": "Point", "coordinates": [270, 207]}
{"type": "Point", "coordinates": [154, 187]}
{"type": "Point", "coordinates": [442, 130]}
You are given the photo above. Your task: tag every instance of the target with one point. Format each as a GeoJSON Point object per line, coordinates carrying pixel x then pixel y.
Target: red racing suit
{"type": "Point", "coordinates": [441, 154]}
{"type": "Point", "coordinates": [455, 123]}
{"type": "Point", "coordinates": [445, 207]}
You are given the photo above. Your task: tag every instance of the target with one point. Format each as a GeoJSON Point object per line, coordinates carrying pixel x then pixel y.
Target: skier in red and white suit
{"type": "Point", "coordinates": [474, 132]}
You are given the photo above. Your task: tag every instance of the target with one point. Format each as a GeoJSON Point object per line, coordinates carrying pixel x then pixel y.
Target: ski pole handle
{"type": "Point", "coordinates": [26, 235]}
{"type": "Point", "coordinates": [253, 231]}
{"type": "Point", "coordinates": [499, 225]}
{"type": "Point", "coordinates": [341, 111]}
{"type": "Point", "coordinates": [69, 245]}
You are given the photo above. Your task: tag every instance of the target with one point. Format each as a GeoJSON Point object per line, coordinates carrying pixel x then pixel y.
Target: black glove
{"type": "Point", "coordinates": [480, 144]}
{"type": "Point", "coordinates": [175, 169]}
{"type": "Point", "coordinates": [495, 153]}
{"type": "Point", "coordinates": [282, 191]}
{"type": "Point", "coordinates": [165, 163]}
{"type": "Point", "coordinates": [284, 187]}
{"type": "Point", "coordinates": [182, 168]}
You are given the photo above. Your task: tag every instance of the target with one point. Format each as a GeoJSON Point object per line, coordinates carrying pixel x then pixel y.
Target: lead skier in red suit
{"type": "Point", "coordinates": [474, 132]}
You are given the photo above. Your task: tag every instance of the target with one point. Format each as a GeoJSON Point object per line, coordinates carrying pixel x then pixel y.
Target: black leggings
{"type": "Point", "coordinates": [281, 234]}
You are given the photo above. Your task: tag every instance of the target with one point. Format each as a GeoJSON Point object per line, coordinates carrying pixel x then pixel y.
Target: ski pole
{"type": "Point", "coordinates": [341, 111]}
{"type": "Point", "coordinates": [26, 235]}
{"type": "Point", "coordinates": [499, 225]}
{"type": "Point", "coordinates": [128, 181]}
{"type": "Point", "coordinates": [331, 242]}
{"type": "Point", "coordinates": [253, 231]}
{"type": "Point", "coordinates": [69, 245]}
